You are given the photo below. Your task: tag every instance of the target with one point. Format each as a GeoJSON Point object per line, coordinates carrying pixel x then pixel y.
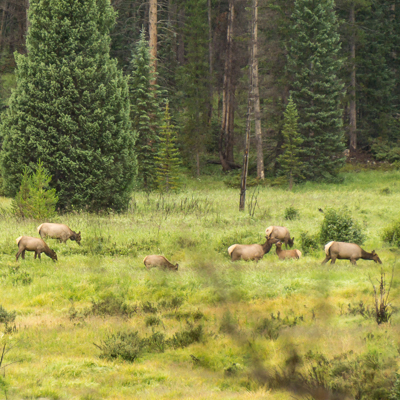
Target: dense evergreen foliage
{"type": "Point", "coordinates": [145, 113]}
{"type": "Point", "coordinates": [71, 108]}
{"type": "Point", "coordinates": [314, 65]}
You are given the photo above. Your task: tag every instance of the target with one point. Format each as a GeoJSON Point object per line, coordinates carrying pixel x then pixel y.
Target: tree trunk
{"type": "Point", "coordinates": [226, 135]}
{"type": "Point", "coordinates": [210, 60]}
{"type": "Point", "coordinates": [257, 114]}
{"type": "Point", "coordinates": [153, 34]}
{"type": "Point", "coordinates": [352, 105]}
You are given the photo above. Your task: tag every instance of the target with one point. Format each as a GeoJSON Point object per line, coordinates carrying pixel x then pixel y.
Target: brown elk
{"type": "Point", "coordinates": [58, 231]}
{"type": "Point", "coordinates": [250, 251]}
{"type": "Point", "coordinates": [281, 233]}
{"type": "Point", "coordinates": [348, 251]}
{"type": "Point", "coordinates": [159, 261]}
{"type": "Point", "coordinates": [28, 243]}
{"type": "Point", "coordinates": [283, 254]}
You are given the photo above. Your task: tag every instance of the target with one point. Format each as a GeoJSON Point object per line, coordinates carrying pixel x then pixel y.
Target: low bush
{"type": "Point", "coordinates": [111, 305]}
{"type": "Point", "coordinates": [187, 337]}
{"type": "Point", "coordinates": [7, 317]}
{"type": "Point", "coordinates": [391, 234]}
{"type": "Point", "coordinates": [309, 243]}
{"type": "Point", "coordinates": [152, 320]}
{"type": "Point", "coordinates": [121, 345]}
{"type": "Point", "coordinates": [19, 277]}
{"type": "Point", "coordinates": [291, 213]}
{"type": "Point", "coordinates": [338, 225]}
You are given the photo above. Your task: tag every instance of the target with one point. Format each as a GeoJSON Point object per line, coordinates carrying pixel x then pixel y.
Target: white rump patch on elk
{"type": "Point", "coordinates": [18, 239]}
{"type": "Point", "coordinates": [231, 248]}
{"type": "Point", "coordinates": [328, 246]}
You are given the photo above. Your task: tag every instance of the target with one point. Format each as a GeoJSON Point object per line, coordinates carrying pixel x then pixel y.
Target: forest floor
{"type": "Point", "coordinates": [214, 329]}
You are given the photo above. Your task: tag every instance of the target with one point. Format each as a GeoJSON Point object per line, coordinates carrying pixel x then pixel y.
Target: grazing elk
{"type": "Point", "coordinates": [28, 243]}
{"type": "Point", "coordinates": [283, 254]}
{"type": "Point", "coordinates": [281, 233]}
{"type": "Point", "coordinates": [348, 251]}
{"type": "Point", "coordinates": [250, 251]}
{"type": "Point", "coordinates": [159, 261]}
{"type": "Point", "coordinates": [58, 231]}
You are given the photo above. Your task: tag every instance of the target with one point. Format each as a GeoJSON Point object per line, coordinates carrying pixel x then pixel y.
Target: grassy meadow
{"type": "Point", "coordinates": [214, 329]}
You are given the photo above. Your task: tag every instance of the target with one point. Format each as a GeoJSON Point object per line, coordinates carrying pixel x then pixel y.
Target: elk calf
{"type": "Point", "coordinates": [58, 231]}
{"type": "Point", "coordinates": [28, 243]}
{"type": "Point", "coordinates": [159, 261]}
{"type": "Point", "coordinates": [283, 254]}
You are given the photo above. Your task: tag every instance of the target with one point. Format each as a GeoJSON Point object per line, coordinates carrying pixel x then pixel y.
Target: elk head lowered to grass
{"type": "Point", "coordinates": [159, 261]}
{"type": "Point", "coordinates": [283, 254]}
{"type": "Point", "coordinates": [58, 231]}
{"type": "Point", "coordinates": [281, 233]}
{"type": "Point", "coordinates": [348, 251]}
{"type": "Point", "coordinates": [28, 243]}
{"type": "Point", "coordinates": [250, 251]}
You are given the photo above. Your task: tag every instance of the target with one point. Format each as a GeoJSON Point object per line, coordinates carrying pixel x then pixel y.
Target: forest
{"type": "Point", "coordinates": [152, 153]}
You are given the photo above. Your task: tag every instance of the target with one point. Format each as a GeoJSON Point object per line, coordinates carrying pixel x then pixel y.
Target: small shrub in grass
{"type": "Point", "coordinates": [309, 243]}
{"type": "Point", "coordinates": [19, 277]}
{"type": "Point", "coordinates": [7, 317]}
{"type": "Point", "coordinates": [269, 328]}
{"type": "Point", "coordinates": [155, 343]}
{"type": "Point", "coordinates": [111, 305]}
{"type": "Point", "coordinates": [172, 304]}
{"type": "Point", "coordinates": [121, 345]}
{"type": "Point", "coordinates": [291, 213]}
{"type": "Point", "coordinates": [149, 308]}
{"type": "Point", "coordinates": [338, 225]}
{"type": "Point", "coordinates": [392, 234]}
{"type": "Point", "coordinates": [152, 320]}
{"type": "Point", "coordinates": [187, 337]}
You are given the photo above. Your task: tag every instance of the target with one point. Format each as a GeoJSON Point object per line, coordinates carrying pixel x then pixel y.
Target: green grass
{"type": "Point", "coordinates": [56, 330]}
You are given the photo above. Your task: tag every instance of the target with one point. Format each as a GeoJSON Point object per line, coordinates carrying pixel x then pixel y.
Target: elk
{"type": "Point", "coordinates": [159, 261]}
{"type": "Point", "coordinates": [281, 233]}
{"type": "Point", "coordinates": [347, 251]}
{"type": "Point", "coordinates": [283, 254]}
{"type": "Point", "coordinates": [58, 231]}
{"type": "Point", "coordinates": [250, 251]}
{"type": "Point", "coordinates": [28, 243]}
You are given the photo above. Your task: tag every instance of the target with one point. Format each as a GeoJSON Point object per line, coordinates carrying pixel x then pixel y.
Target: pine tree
{"type": "Point", "coordinates": [168, 158]}
{"type": "Point", "coordinates": [290, 159]}
{"type": "Point", "coordinates": [145, 113]}
{"type": "Point", "coordinates": [313, 64]}
{"type": "Point", "coordinates": [71, 108]}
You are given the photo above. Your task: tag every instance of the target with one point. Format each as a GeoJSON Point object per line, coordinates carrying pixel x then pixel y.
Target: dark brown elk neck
{"type": "Point", "coordinates": [366, 256]}
{"type": "Point", "coordinates": [266, 247]}
{"type": "Point", "coordinates": [278, 249]}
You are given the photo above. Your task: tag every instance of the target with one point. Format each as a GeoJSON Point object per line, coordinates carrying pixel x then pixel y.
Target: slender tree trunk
{"type": "Point", "coordinates": [210, 60]}
{"type": "Point", "coordinates": [352, 105]}
{"type": "Point", "coordinates": [181, 42]}
{"type": "Point", "coordinates": [153, 34]}
{"type": "Point", "coordinates": [226, 135]}
{"type": "Point", "coordinates": [257, 114]}
{"type": "Point", "coordinates": [3, 14]}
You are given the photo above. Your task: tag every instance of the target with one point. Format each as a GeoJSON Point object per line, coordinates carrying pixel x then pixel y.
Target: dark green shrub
{"type": "Point", "coordinates": [6, 317]}
{"type": "Point", "coordinates": [152, 320]}
{"type": "Point", "coordinates": [124, 345]}
{"type": "Point", "coordinates": [291, 213]}
{"type": "Point", "coordinates": [395, 392]}
{"type": "Point", "coordinates": [149, 308]}
{"type": "Point", "coordinates": [391, 234]}
{"type": "Point", "coordinates": [338, 225]}
{"type": "Point", "coordinates": [269, 328]}
{"type": "Point", "coordinates": [309, 243]}
{"type": "Point", "coordinates": [172, 304]}
{"type": "Point", "coordinates": [187, 337]}
{"type": "Point", "coordinates": [111, 305]}
{"type": "Point", "coordinates": [156, 342]}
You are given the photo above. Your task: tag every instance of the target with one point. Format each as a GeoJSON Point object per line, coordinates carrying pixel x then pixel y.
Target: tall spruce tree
{"type": "Point", "coordinates": [71, 108]}
{"type": "Point", "coordinates": [313, 64]}
{"type": "Point", "coordinates": [145, 113]}
{"type": "Point", "coordinates": [290, 159]}
{"type": "Point", "coordinates": [168, 158]}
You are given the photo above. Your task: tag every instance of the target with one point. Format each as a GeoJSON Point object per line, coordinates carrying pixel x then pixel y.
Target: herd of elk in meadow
{"type": "Point", "coordinates": [275, 235]}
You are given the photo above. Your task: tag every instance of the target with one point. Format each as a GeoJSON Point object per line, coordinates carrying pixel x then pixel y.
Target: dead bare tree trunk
{"type": "Point", "coordinates": [153, 34]}
{"type": "Point", "coordinates": [257, 114]}
{"type": "Point", "coordinates": [352, 105]}
{"type": "Point", "coordinates": [226, 124]}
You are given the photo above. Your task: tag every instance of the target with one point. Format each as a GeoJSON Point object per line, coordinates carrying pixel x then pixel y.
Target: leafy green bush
{"type": "Point", "coordinates": [152, 320]}
{"type": "Point", "coordinates": [6, 317]}
{"type": "Point", "coordinates": [111, 305]}
{"type": "Point", "coordinates": [391, 234]}
{"type": "Point", "coordinates": [124, 345]}
{"type": "Point", "coordinates": [386, 151]}
{"type": "Point", "coordinates": [338, 225]}
{"type": "Point", "coordinates": [291, 213]}
{"type": "Point", "coordinates": [308, 242]}
{"type": "Point", "coordinates": [19, 277]}
{"type": "Point", "coordinates": [187, 337]}
{"type": "Point", "coordinates": [35, 199]}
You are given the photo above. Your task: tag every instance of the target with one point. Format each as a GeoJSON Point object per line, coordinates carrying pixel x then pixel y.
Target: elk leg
{"type": "Point", "coordinates": [353, 261]}
{"type": "Point", "coordinates": [18, 254]}
{"type": "Point", "coordinates": [35, 255]}
{"type": "Point", "coordinates": [39, 256]}
{"type": "Point", "coordinates": [23, 255]}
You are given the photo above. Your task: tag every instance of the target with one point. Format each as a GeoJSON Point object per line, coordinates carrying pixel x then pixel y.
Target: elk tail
{"type": "Point", "coordinates": [328, 246]}
{"type": "Point", "coordinates": [18, 239]}
{"type": "Point", "coordinates": [298, 252]}
{"type": "Point", "coordinates": [38, 228]}
{"type": "Point", "coordinates": [231, 248]}
{"type": "Point", "coordinates": [144, 260]}
{"type": "Point", "coordinates": [268, 231]}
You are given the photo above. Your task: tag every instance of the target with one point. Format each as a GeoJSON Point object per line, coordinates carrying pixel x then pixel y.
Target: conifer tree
{"type": "Point", "coordinates": [290, 159]}
{"type": "Point", "coordinates": [313, 64]}
{"type": "Point", "coordinates": [168, 158]}
{"type": "Point", "coordinates": [145, 113]}
{"type": "Point", "coordinates": [71, 107]}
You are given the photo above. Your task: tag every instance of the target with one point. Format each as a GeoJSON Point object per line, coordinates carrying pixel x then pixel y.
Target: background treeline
{"type": "Point", "coordinates": [204, 50]}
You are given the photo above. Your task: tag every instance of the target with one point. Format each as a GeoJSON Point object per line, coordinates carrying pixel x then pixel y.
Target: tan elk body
{"type": "Point", "coordinates": [283, 254]}
{"type": "Point", "coordinates": [281, 233]}
{"type": "Point", "coordinates": [248, 252]}
{"type": "Point", "coordinates": [348, 251]}
{"type": "Point", "coordinates": [159, 261]}
{"type": "Point", "coordinates": [58, 231]}
{"type": "Point", "coordinates": [28, 243]}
